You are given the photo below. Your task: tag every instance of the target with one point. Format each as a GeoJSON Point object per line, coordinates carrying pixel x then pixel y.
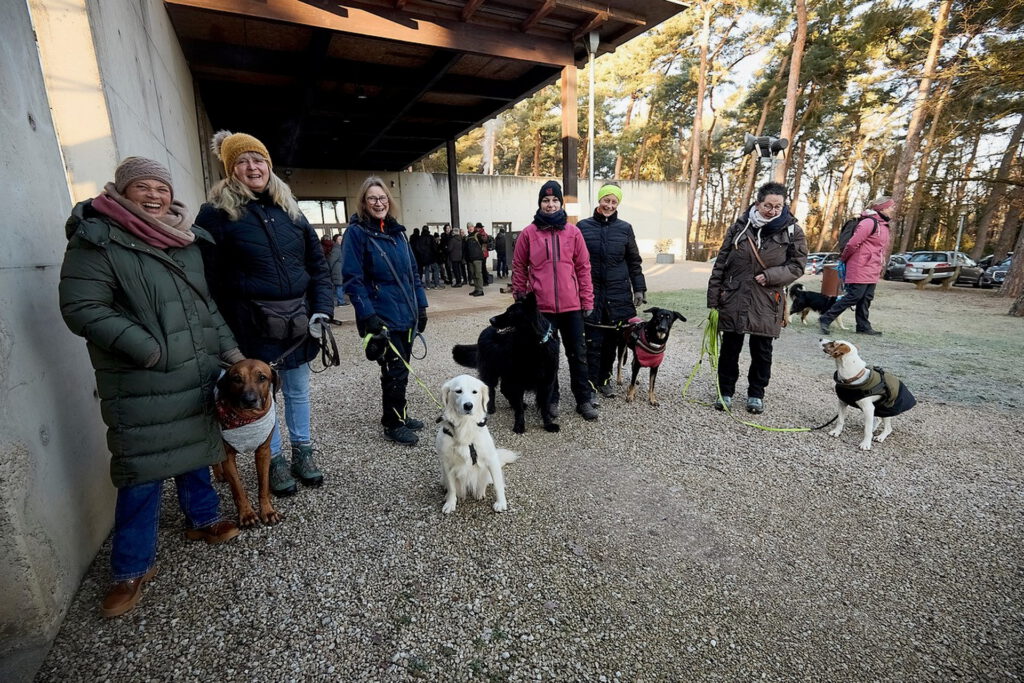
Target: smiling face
{"type": "Point", "coordinates": [771, 206]}
{"type": "Point", "coordinates": [152, 195]}
{"type": "Point", "coordinates": [608, 205]}
{"type": "Point", "coordinates": [253, 171]}
{"type": "Point", "coordinates": [376, 202]}
{"type": "Point", "coordinates": [550, 204]}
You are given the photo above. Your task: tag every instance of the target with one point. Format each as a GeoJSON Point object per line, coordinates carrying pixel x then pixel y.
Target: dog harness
{"type": "Point", "coordinates": [449, 429]}
{"type": "Point", "coordinates": [647, 354]}
{"type": "Point", "coordinates": [245, 433]}
{"type": "Point", "coordinates": [895, 397]}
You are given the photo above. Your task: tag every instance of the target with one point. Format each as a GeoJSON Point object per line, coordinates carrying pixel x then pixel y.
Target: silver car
{"type": "Point", "coordinates": [943, 265]}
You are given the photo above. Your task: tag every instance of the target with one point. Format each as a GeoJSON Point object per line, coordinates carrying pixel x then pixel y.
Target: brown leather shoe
{"type": "Point", "coordinates": [217, 532]}
{"type": "Point", "coordinates": [124, 595]}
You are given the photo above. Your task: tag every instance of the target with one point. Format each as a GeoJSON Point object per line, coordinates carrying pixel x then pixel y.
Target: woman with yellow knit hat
{"type": "Point", "coordinates": [269, 277]}
{"type": "Point", "coordinates": [619, 287]}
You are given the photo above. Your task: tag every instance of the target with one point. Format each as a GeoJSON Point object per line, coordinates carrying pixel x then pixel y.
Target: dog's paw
{"type": "Point", "coordinates": [500, 506]}
{"type": "Point", "coordinates": [835, 433]}
{"type": "Point", "coordinates": [519, 428]}
{"type": "Point", "coordinates": [271, 517]}
{"type": "Point", "coordinates": [449, 507]}
{"type": "Point", "coordinates": [491, 409]}
{"type": "Point", "coordinates": [865, 445]}
{"type": "Point", "coordinates": [248, 519]}
{"type": "Point", "coordinates": [551, 427]}
{"type": "Point", "coordinates": [879, 438]}
{"type": "Point", "coordinates": [654, 402]}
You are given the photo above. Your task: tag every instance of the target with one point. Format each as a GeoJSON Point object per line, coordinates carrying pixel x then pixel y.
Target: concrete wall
{"type": "Point", "coordinates": [656, 210]}
{"type": "Point", "coordinates": [117, 84]}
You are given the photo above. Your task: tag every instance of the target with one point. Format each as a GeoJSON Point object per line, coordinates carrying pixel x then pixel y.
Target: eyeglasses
{"type": "Point", "coordinates": [376, 200]}
{"type": "Point", "coordinates": [772, 207]}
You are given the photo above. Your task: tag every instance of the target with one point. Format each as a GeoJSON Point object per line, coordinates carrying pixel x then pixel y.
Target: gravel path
{"type": "Point", "coordinates": [659, 544]}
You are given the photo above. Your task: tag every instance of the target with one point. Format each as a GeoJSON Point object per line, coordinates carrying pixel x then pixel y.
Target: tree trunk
{"type": "Point", "coordinates": [1011, 225]}
{"type": "Point", "coordinates": [625, 126]}
{"type": "Point", "coordinates": [706, 7]}
{"type": "Point", "coordinates": [998, 190]}
{"type": "Point", "coordinates": [793, 86]}
{"type": "Point", "coordinates": [752, 168]}
{"type": "Point", "coordinates": [916, 122]}
{"type": "Point", "coordinates": [536, 154]}
{"type": "Point", "coordinates": [798, 175]}
{"type": "Point", "coordinates": [1014, 285]}
{"type": "Point", "coordinates": [519, 162]}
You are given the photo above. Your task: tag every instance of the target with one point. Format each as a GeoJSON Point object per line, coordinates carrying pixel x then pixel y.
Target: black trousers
{"type": "Point", "coordinates": [859, 295]}
{"type": "Point", "coordinates": [458, 275]}
{"type": "Point", "coordinates": [601, 347]}
{"type": "Point", "coordinates": [570, 329]}
{"type": "Point", "coordinates": [394, 376]}
{"type": "Point", "coordinates": [729, 363]}
{"type": "Point", "coordinates": [502, 266]}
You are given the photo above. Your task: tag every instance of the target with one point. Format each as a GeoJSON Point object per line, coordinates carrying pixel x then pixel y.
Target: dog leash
{"type": "Point", "coordinates": [408, 366]}
{"type": "Point", "coordinates": [329, 354]}
{"type": "Point", "coordinates": [709, 347]}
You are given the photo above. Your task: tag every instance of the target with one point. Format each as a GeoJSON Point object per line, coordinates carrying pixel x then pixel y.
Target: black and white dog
{"type": "Point", "coordinates": [804, 302]}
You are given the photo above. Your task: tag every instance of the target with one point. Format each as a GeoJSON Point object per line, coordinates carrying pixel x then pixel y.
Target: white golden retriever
{"type": "Point", "coordinates": [469, 461]}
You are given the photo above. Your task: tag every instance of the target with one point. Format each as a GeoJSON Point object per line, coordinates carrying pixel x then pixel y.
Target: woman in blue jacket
{"type": "Point", "coordinates": [382, 282]}
{"type": "Point", "coordinates": [269, 277]}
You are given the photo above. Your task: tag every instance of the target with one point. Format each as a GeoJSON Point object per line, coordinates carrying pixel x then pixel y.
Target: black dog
{"type": "Point", "coordinates": [647, 340]}
{"type": "Point", "coordinates": [804, 302]}
{"type": "Point", "coordinates": [519, 350]}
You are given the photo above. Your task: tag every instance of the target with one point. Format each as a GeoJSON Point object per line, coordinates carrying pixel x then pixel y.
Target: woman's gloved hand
{"type": "Point", "coordinates": [372, 324]}
{"type": "Point", "coordinates": [315, 320]}
{"type": "Point", "coordinates": [639, 298]}
{"type": "Point", "coordinates": [422, 320]}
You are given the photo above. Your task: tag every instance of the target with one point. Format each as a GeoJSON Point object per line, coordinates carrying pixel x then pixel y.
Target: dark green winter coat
{"type": "Point", "coordinates": [136, 304]}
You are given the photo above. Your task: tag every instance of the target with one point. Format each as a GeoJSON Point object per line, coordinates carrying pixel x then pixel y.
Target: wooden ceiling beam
{"type": "Point", "coordinates": [537, 15]}
{"type": "Point", "coordinates": [305, 96]}
{"type": "Point", "coordinates": [614, 14]}
{"type": "Point", "coordinates": [397, 25]}
{"type": "Point", "coordinates": [598, 19]}
{"type": "Point", "coordinates": [399, 4]}
{"type": "Point", "coordinates": [470, 9]}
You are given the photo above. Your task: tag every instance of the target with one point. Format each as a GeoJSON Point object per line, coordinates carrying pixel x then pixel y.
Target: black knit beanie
{"type": "Point", "coordinates": [550, 189]}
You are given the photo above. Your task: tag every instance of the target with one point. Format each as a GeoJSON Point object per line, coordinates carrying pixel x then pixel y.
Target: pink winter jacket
{"type": "Point", "coordinates": [554, 264]}
{"type": "Point", "coordinates": [863, 253]}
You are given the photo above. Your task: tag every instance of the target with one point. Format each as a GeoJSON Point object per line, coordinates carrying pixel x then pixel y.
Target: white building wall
{"type": "Point", "coordinates": [655, 209]}
{"type": "Point", "coordinates": [105, 80]}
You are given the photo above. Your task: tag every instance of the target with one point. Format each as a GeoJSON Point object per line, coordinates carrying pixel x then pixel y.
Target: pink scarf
{"type": "Point", "coordinates": [161, 233]}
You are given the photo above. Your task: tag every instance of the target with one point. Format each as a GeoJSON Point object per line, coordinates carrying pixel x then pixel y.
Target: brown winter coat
{"type": "Point", "coordinates": [743, 305]}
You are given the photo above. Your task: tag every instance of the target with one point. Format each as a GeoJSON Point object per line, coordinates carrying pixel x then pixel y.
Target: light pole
{"type": "Point", "coordinates": [593, 38]}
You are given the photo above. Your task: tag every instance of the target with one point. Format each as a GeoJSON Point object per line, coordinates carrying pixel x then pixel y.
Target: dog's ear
{"type": "Point", "coordinates": [652, 310]}
{"type": "Point", "coordinates": [222, 383]}
{"type": "Point", "coordinates": [275, 382]}
{"type": "Point", "coordinates": [837, 350]}
{"type": "Point", "coordinates": [679, 316]}
{"type": "Point", "coordinates": [446, 390]}
{"type": "Point", "coordinates": [485, 394]}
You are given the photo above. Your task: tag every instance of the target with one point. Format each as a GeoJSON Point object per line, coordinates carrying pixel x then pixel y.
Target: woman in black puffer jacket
{"type": "Point", "coordinates": [269, 277]}
{"type": "Point", "coordinates": [616, 270]}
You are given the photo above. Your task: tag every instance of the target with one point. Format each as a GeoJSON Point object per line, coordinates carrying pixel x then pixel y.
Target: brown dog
{"type": "Point", "coordinates": [245, 407]}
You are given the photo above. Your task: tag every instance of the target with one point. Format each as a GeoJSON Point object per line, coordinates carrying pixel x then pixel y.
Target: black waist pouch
{"type": "Point", "coordinates": [281, 320]}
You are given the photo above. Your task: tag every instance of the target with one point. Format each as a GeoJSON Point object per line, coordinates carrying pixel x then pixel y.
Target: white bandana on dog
{"type": "Point", "coordinates": [248, 437]}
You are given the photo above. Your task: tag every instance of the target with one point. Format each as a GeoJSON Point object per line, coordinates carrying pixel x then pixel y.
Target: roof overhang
{"type": "Point", "coordinates": [381, 84]}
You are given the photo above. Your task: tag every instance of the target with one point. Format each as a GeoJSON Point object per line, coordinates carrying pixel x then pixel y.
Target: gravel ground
{"type": "Point", "coordinates": [659, 544]}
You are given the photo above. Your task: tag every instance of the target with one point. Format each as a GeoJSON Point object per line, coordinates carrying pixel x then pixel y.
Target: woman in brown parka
{"type": "Point", "coordinates": [763, 252]}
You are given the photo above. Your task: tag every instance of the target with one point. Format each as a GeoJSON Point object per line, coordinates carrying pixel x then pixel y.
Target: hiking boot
{"type": "Point", "coordinates": [872, 332]}
{"type": "Point", "coordinates": [281, 482]}
{"type": "Point", "coordinates": [303, 467]}
{"type": "Point", "coordinates": [414, 424]}
{"type": "Point", "coordinates": [755, 405]}
{"type": "Point", "coordinates": [401, 434]}
{"type": "Point", "coordinates": [823, 326]}
{"type": "Point", "coordinates": [607, 390]}
{"type": "Point", "coordinates": [587, 411]}
{"type": "Point", "coordinates": [724, 403]}
{"type": "Point", "coordinates": [218, 532]}
{"type": "Point", "coordinates": [123, 596]}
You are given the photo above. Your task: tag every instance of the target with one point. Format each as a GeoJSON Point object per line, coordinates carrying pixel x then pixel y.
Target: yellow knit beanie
{"type": "Point", "coordinates": [229, 146]}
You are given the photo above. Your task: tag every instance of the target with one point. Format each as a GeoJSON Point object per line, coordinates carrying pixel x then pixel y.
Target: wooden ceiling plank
{"type": "Point", "coordinates": [597, 20]}
{"type": "Point", "coordinates": [614, 14]}
{"type": "Point", "coordinates": [537, 15]}
{"type": "Point", "coordinates": [398, 26]}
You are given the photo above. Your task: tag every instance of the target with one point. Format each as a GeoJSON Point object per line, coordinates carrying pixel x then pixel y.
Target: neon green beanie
{"type": "Point", "coordinates": [610, 189]}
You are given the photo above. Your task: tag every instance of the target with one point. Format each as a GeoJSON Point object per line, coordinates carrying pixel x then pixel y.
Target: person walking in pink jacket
{"type": "Point", "coordinates": [862, 256]}
{"type": "Point", "coordinates": [551, 260]}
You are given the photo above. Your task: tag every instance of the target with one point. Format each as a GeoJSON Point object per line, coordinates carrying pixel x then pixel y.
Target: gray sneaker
{"type": "Point", "coordinates": [587, 411]}
{"type": "Point", "coordinates": [281, 482]}
{"type": "Point", "coordinates": [755, 405]}
{"type": "Point", "coordinates": [724, 403]}
{"type": "Point", "coordinates": [303, 467]}
{"type": "Point", "coordinates": [401, 434]}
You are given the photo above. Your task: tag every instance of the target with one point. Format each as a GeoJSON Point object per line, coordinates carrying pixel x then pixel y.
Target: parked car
{"type": "Point", "coordinates": [818, 259]}
{"type": "Point", "coordinates": [944, 264]}
{"type": "Point", "coordinates": [894, 269]}
{"type": "Point", "coordinates": [995, 276]}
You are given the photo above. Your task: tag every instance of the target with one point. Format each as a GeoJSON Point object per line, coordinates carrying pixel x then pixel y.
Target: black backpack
{"type": "Point", "coordinates": [849, 227]}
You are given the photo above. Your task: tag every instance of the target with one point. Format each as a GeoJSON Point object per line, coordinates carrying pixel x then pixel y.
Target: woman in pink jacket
{"type": "Point", "coordinates": [551, 260]}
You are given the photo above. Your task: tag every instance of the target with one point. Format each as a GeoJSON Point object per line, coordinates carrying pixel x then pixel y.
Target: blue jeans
{"type": "Point", "coordinates": [295, 393]}
{"type": "Point", "coordinates": [137, 515]}
{"type": "Point", "coordinates": [339, 295]}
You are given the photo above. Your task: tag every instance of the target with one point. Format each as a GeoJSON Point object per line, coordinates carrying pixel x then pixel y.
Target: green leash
{"type": "Point", "coordinates": [710, 347]}
{"type": "Point", "coordinates": [366, 340]}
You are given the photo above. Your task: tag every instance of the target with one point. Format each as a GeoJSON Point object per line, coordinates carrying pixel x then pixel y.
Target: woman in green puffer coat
{"type": "Point", "coordinates": [132, 284]}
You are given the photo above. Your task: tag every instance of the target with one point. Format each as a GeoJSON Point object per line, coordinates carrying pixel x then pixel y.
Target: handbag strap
{"type": "Point", "coordinates": [753, 248]}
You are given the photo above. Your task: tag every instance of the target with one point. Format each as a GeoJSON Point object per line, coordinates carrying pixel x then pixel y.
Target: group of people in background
{"type": "Point", "coordinates": [165, 302]}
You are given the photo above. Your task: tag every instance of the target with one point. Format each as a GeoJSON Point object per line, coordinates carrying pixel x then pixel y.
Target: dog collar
{"type": "Point", "coordinates": [840, 380]}
{"type": "Point", "coordinates": [547, 334]}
